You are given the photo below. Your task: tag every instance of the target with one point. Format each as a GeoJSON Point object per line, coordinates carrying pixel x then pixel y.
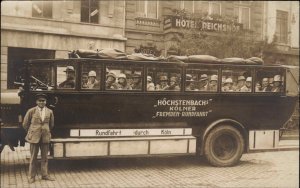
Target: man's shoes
{"type": "Point", "coordinates": [48, 178]}
{"type": "Point", "coordinates": [31, 180]}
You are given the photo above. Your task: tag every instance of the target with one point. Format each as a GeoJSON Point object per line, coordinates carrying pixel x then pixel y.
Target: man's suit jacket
{"type": "Point", "coordinates": [36, 128]}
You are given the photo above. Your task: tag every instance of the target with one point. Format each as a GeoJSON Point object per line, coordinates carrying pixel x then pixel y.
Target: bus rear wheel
{"type": "Point", "coordinates": [224, 146]}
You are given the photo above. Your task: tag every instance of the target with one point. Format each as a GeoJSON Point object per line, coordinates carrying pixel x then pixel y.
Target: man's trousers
{"type": "Point", "coordinates": [34, 149]}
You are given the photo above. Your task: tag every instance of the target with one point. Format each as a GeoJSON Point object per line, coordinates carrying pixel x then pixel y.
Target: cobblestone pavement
{"type": "Point", "coordinates": [268, 169]}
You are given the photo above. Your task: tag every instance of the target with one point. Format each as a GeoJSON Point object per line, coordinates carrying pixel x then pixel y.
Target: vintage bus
{"type": "Point", "coordinates": [114, 108]}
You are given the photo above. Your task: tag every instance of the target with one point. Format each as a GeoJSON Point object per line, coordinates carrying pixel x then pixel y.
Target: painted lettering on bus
{"type": "Point", "coordinates": [165, 102]}
{"type": "Point", "coordinates": [108, 133]}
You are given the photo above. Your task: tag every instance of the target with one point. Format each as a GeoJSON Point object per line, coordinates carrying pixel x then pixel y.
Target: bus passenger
{"type": "Point", "coordinates": [137, 81]}
{"type": "Point", "coordinates": [190, 83]}
{"type": "Point", "coordinates": [92, 82]}
{"type": "Point", "coordinates": [173, 84]}
{"type": "Point", "coordinates": [258, 87]}
{"type": "Point", "coordinates": [163, 83]}
{"type": "Point", "coordinates": [240, 83]}
{"type": "Point", "coordinates": [70, 80]}
{"type": "Point", "coordinates": [122, 82]}
{"type": "Point", "coordinates": [265, 85]}
{"type": "Point", "coordinates": [271, 82]}
{"type": "Point", "coordinates": [247, 86]}
{"type": "Point", "coordinates": [277, 84]}
{"type": "Point", "coordinates": [203, 82]}
{"type": "Point", "coordinates": [84, 80]}
{"type": "Point", "coordinates": [110, 81]}
{"type": "Point", "coordinates": [228, 86]}
{"type": "Point", "coordinates": [213, 83]}
{"type": "Point", "coordinates": [150, 84]}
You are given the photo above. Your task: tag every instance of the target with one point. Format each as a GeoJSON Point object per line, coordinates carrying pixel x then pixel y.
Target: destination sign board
{"type": "Point", "coordinates": [129, 132]}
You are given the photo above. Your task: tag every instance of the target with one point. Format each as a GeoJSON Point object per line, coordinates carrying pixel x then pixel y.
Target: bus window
{"type": "Point", "coordinates": [163, 79]}
{"type": "Point", "coordinates": [269, 81]}
{"type": "Point", "coordinates": [123, 78]}
{"type": "Point", "coordinates": [41, 77]}
{"type": "Point", "coordinates": [236, 80]}
{"type": "Point", "coordinates": [204, 80]}
{"type": "Point", "coordinates": [90, 76]}
{"type": "Point", "coordinates": [66, 77]}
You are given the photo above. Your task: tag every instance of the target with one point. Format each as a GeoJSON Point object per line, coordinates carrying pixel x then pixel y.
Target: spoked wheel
{"type": "Point", "coordinates": [224, 146]}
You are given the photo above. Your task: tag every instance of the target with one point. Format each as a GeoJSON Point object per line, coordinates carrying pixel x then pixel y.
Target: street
{"type": "Point", "coordinates": [267, 169]}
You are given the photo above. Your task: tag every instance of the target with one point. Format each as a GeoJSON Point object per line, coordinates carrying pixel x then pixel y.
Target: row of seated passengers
{"type": "Point", "coordinates": [203, 84]}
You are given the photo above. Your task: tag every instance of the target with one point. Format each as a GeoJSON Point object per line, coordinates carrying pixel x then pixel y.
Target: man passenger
{"type": "Point", "coordinates": [265, 85]}
{"type": "Point", "coordinates": [240, 83]}
{"type": "Point", "coordinates": [173, 84]}
{"type": "Point", "coordinates": [137, 81]}
{"type": "Point", "coordinates": [70, 80]}
{"type": "Point", "coordinates": [277, 84]}
{"type": "Point", "coordinates": [203, 82]}
{"type": "Point", "coordinates": [163, 85]}
{"type": "Point", "coordinates": [213, 83]}
{"type": "Point", "coordinates": [190, 83]}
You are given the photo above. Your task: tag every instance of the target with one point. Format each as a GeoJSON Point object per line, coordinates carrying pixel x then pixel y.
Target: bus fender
{"type": "Point", "coordinates": [214, 124]}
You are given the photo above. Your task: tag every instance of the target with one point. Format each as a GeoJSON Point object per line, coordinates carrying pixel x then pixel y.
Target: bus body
{"type": "Point", "coordinates": [219, 123]}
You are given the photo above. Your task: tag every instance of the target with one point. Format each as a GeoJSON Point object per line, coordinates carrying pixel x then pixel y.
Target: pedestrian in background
{"type": "Point", "coordinates": [38, 122]}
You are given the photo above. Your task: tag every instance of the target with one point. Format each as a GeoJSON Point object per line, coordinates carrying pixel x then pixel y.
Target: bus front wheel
{"type": "Point", "coordinates": [224, 146]}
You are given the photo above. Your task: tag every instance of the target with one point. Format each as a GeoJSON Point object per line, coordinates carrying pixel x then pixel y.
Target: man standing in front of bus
{"type": "Point", "coordinates": [38, 122]}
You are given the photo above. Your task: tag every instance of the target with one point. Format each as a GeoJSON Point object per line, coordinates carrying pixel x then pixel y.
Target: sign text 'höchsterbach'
{"type": "Point", "coordinates": [182, 108]}
{"type": "Point", "coordinates": [204, 25]}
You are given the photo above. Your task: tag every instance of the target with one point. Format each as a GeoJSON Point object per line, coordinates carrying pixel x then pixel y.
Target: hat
{"type": "Point", "coordinates": [122, 76]}
{"type": "Point", "coordinates": [137, 74]}
{"type": "Point", "coordinates": [149, 78]}
{"type": "Point", "coordinates": [241, 78]}
{"type": "Point", "coordinates": [203, 77]}
{"type": "Point", "coordinates": [265, 79]}
{"type": "Point", "coordinates": [111, 74]}
{"type": "Point", "coordinates": [213, 77]}
{"type": "Point", "coordinates": [173, 79]}
{"type": "Point", "coordinates": [92, 73]}
{"type": "Point", "coordinates": [163, 78]}
{"type": "Point", "coordinates": [69, 69]}
{"type": "Point", "coordinates": [41, 96]}
{"type": "Point", "coordinates": [228, 80]}
{"type": "Point", "coordinates": [277, 78]}
{"type": "Point", "coordinates": [249, 79]}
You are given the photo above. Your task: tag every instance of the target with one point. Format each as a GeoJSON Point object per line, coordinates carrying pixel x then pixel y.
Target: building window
{"type": "Point", "coordinates": [42, 9]}
{"type": "Point", "coordinates": [207, 7]}
{"type": "Point", "coordinates": [281, 26]}
{"type": "Point", "coordinates": [90, 11]}
{"type": "Point", "coordinates": [147, 9]}
{"type": "Point", "coordinates": [243, 16]}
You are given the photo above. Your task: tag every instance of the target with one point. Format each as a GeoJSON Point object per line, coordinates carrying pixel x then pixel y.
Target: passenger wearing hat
{"type": "Point", "coordinates": [110, 82]}
{"type": "Point", "coordinates": [213, 83]}
{"type": "Point", "coordinates": [203, 82]}
{"type": "Point", "coordinates": [247, 86]}
{"type": "Point", "coordinates": [92, 83]}
{"type": "Point", "coordinates": [70, 80]}
{"type": "Point", "coordinates": [173, 84]}
{"type": "Point", "coordinates": [240, 83]}
{"type": "Point", "coordinates": [277, 85]}
{"type": "Point", "coordinates": [150, 84]}
{"type": "Point", "coordinates": [228, 85]}
{"type": "Point", "coordinates": [122, 82]}
{"type": "Point", "coordinates": [137, 80]}
{"type": "Point", "coordinates": [163, 83]}
{"type": "Point", "coordinates": [265, 85]}
{"type": "Point", "coordinates": [38, 122]}
{"type": "Point", "coordinates": [190, 83]}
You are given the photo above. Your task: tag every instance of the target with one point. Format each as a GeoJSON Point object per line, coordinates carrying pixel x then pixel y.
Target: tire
{"type": "Point", "coordinates": [224, 146]}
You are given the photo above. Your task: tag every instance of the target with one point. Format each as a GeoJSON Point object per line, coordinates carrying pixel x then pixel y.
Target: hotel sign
{"type": "Point", "coordinates": [203, 25]}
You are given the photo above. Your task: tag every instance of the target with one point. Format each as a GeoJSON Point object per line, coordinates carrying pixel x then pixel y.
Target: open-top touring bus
{"type": "Point", "coordinates": [113, 108]}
